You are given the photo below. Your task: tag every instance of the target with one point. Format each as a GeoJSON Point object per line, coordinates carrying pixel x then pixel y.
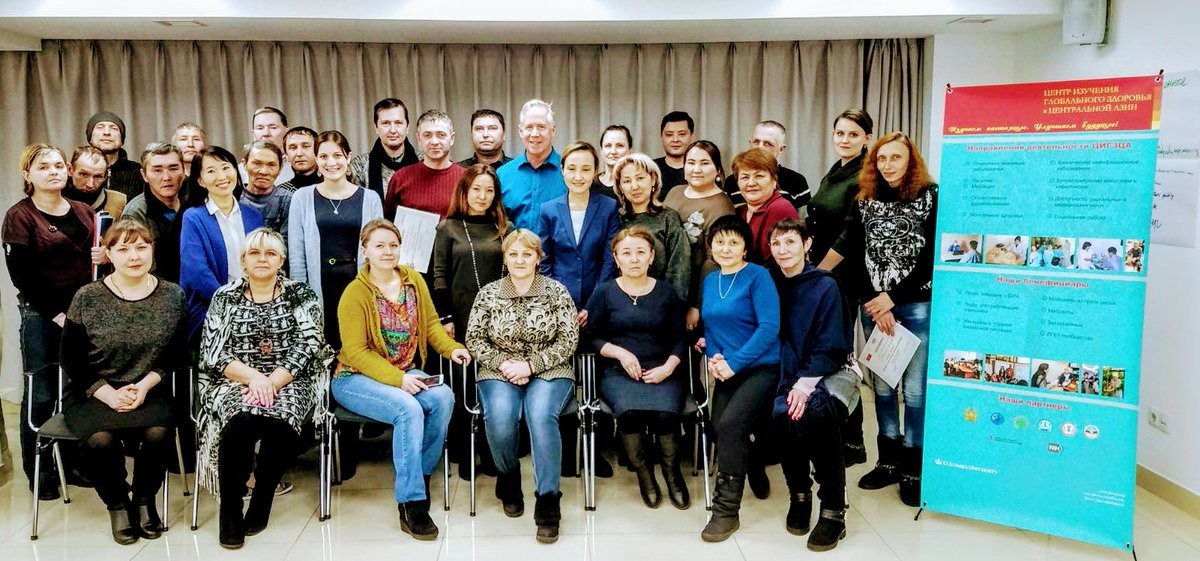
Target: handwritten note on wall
{"type": "Point", "coordinates": [1177, 176]}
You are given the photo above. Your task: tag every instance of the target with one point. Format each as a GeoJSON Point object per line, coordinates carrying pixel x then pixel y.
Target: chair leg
{"type": "Point", "coordinates": [474, 434]}
{"type": "Point", "coordinates": [324, 482]}
{"type": "Point", "coordinates": [337, 458]}
{"type": "Point", "coordinates": [166, 491]}
{"type": "Point", "coordinates": [445, 477]}
{"type": "Point", "coordinates": [37, 487]}
{"type": "Point", "coordinates": [707, 483]}
{"type": "Point", "coordinates": [182, 469]}
{"type": "Point", "coordinates": [696, 449]}
{"type": "Point", "coordinates": [62, 473]}
{"type": "Point", "coordinates": [196, 497]}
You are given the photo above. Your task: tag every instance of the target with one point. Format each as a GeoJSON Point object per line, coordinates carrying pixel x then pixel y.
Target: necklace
{"type": "Point", "coordinates": [474, 265]}
{"type": "Point", "coordinates": [725, 292]}
{"type": "Point", "coordinates": [263, 320]}
{"type": "Point", "coordinates": [274, 293]}
{"type": "Point", "coordinates": [121, 293]}
{"type": "Point", "coordinates": [634, 298]}
{"type": "Point", "coordinates": [337, 205]}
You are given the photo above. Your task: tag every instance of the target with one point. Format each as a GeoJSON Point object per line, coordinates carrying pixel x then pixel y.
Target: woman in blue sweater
{"type": "Point", "coordinates": [213, 232]}
{"type": "Point", "coordinates": [740, 312]}
{"type": "Point", "coordinates": [815, 393]}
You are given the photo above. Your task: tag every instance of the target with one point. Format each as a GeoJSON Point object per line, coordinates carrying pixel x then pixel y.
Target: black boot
{"type": "Point", "coordinates": [647, 484]}
{"type": "Point", "coordinates": [123, 527]}
{"type": "Point", "coordinates": [727, 500]}
{"type": "Point", "coordinates": [48, 484]}
{"type": "Point", "coordinates": [886, 470]}
{"type": "Point", "coordinates": [547, 513]}
{"type": "Point", "coordinates": [508, 490]}
{"type": "Point", "coordinates": [233, 526]}
{"type": "Point", "coordinates": [415, 520]}
{"type": "Point", "coordinates": [148, 519]}
{"type": "Point", "coordinates": [799, 515]}
{"type": "Point", "coordinates": [258, 513]}
{"type": "Point", "coordinates": [677, 489]}
{"type": "Point", "coordinates": [831, 527]}
{"type": "Point", "coordinates": [853, 454]}
{"type": "Point", "coordinates": [910, 476]}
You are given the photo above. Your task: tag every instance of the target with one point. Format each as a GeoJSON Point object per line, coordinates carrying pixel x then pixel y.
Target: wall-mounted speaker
{"type": "Point", "coordinates": [1084, 22]}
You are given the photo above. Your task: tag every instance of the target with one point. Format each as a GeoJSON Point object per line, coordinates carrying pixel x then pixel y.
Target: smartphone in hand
{"type": "Point", "coordinates": [431, 381]}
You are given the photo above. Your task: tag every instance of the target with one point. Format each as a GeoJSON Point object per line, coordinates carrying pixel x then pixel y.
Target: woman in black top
{"type": "Point", "coordinates": [47, 242]}
{"type": "Point", "coordinates": [123, 337]}
{"type": "Point", "coordinates": [852, 133]}
{"type": "Point", "coordinates": [636, 322]}
{"type": "Point", "coordinates": [466, 257]}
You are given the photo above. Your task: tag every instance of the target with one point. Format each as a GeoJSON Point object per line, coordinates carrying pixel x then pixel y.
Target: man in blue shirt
{"type": "Point", "coordinates": [535, 176]}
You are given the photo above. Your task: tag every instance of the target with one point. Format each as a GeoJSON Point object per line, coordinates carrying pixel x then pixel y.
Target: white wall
{"type": "Point", "coordinates": [1144, 36]}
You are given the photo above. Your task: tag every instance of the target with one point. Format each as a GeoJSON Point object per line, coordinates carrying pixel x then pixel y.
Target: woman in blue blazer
{"type": "Point", "coordinates": [213, 232]}
{"type": "Point", "coordinates": [577, 228]}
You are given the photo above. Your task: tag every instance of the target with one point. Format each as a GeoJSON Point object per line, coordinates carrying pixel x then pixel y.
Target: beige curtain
{"type": "Point", "coordinates": [47, 96]}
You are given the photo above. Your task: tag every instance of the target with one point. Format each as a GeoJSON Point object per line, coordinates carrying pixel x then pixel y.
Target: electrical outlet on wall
{"type": "Point", "coordinates": [1157, 420]}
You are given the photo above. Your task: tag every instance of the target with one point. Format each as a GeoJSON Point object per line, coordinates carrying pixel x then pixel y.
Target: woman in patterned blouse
{"type": "Point", "coordinates": [386, 318]}
{"type": "Point", "coordinates": [261, 354]}
{"type": "Point", "coordinates": [523, 331]}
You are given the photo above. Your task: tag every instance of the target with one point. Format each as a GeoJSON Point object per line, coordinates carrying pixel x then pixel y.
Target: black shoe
{"type": "Point", "coordinates": [853, 454]}
{"type": "Point", "coordinates": [886, 470]}
{"type": "Point", "coordinates": [48, 486]}
{"type": "Point", "coordinates": [910, 476]}
{"type": "Point", "coordinates": [799, 515]}
{"type": "Point", "coordinates": [77, 479]}
{"type": "Point", "coordinates": [233, 526]}
{"type": "Point", "coordinates": [831, 527]}
{"type": "Point", "coordinates": [124, 531]}
{"type": "Point", "coordinates": [648, 486]}
{"type": "Point", "coordinates": [508, 490]}
{"type": "Point", "coordinates": [415, 520]}
{"type": "Point", "coordinates": [603, 469]}
{"type": "Point", "coordinates": [676, 485]}
{"type": "Point", "coordinates": [727, 500]}
{"type": "Point", "coordinates": [547, 514]}
{"type": "Point", "coordinates": [148, 519]}
{"type": "Point", "coordinates": [258, 513]}
{"type": "Point", "coordinates": [760, 484]}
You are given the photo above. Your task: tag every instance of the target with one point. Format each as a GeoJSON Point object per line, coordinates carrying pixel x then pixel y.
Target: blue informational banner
{"type": "Point", "coordinates": [1038, 293]}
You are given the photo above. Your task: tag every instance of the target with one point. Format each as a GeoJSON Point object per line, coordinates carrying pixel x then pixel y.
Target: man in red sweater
{"type": "Point", "coordinates": [428, 186]}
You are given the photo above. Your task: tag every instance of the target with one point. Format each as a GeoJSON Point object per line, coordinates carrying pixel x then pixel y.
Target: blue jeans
{"type": "Point", "coordinates": [914, 317]}
{"type": "Point", "coordinates": [541, 401]}
{"type": "Point", "coordinates": [418, 422]}
{"type": "Point", "coordinates": [40, 338]}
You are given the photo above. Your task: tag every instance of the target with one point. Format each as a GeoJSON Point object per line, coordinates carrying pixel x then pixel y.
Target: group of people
{"type": "Point", "coordinates": [275, 282]}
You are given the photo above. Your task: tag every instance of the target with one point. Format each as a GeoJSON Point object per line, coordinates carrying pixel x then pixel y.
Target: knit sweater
{"type": "Point", "coordinates": [421, 187]}
{"type": "Point", "coordinates": [897, 248]}
{"type": "Point", "coordinates": [360, 325]}
{"type": "Point", "coordinates": [125, 175]}
{"type": "Point", "coordinates": [774, 210]}
{"type": "Point", "coordinates": [538, 327]}
{"type": "Point", "coordinates": [741, 318]}
{"type": "Point", "coordinates": [463, 262]}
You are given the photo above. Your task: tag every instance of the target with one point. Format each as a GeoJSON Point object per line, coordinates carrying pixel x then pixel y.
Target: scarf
{"type": "Point", "coordinates": [379, 157]}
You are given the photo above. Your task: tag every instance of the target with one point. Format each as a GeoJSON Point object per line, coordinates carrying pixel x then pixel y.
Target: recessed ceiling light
{"type": "Point", "coordinates": [179, 23]}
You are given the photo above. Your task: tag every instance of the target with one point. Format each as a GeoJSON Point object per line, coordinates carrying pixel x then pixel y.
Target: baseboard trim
{"type": "Point", "coordinates": [1169, 491]}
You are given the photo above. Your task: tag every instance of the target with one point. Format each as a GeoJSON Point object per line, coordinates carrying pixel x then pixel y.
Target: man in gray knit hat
{"type": "Point", "coordinates": [106, 132]}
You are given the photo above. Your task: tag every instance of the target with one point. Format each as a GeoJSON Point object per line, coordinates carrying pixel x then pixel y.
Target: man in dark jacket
{"type": "Point", "coordinates": [772, 137]}
{"type": "Point", "coordinates": [106, 132]}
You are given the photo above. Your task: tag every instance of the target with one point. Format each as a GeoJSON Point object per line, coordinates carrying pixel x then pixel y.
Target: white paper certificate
{"type": "Point", "coordinates": [417, 230]}
{"type": "Point", "coordinates": [888, 356]}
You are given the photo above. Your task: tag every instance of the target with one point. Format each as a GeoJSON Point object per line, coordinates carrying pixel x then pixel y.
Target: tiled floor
{"type": "Point", "coordinates": [364, 526]}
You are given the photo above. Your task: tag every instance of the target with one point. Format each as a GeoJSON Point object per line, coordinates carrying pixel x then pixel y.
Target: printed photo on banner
{"type": "Point", "coordinates": [1060, 375]}
{"type": "Point", "coordinates": [962, 364]}
{"type": "Point", "coordinates": [1090, 379]}
{"type": "Point", "coordinates": [1005, 249]}
{"type": "Point", "coordinates": [1100, 254]}
{"type": "Point", "coordinates": [1113, 382]}
{"type": "Point", "coordinates": [1006, 369]}
{"type": "Point", "coordinates": [962, 248]}
{"type": "Point", "coordinates": [1135, 256]}
{"type": "Point", "coordinates": [1051, 252]}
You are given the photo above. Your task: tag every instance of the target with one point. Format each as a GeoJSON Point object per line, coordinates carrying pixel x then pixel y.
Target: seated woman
{"type": "Point", "coordinates": [815, 393]}
{"type": "Point", "coordinates": [637, 322]}
{"type": "Point", "coordinates": [740, 311]}
{"type": "Point", "coordinates": [523, 332]}
{"type": "Point", "coordinates": [213, 233]}
{"type": "Point", "coordinates": [261, 353]}
{"type": "Point", "coordinates": [122, 337]}
{"type": "Point", "coordinates": [387, 319]}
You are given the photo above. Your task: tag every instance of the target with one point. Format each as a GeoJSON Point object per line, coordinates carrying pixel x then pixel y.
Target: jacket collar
{"type": "Point", "coordinates": [540, 287]}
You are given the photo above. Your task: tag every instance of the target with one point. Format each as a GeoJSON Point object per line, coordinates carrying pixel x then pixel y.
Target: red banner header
{"type": "Point", "coordinates": [1124, 104]}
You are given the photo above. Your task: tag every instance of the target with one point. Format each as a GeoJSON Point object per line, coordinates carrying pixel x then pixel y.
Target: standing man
{"type": "Point", "coordinates": [391, 150]}
{"type": "Point", "coordinates": [427, 186]}
{"type": "Point", "coordinates": [189, 138]}
{"type": "Point", "coordinates": [487, 139]}
{"type": "Point", "coordinates": [535, 176]}
{"type": "Point", "coordinates": [676, 130]}
{"type": "Point", "coordinates": [88, 170]}
{"type": "Point", "coordinates": [156, 206]}
{"type": "Point", "coordinates": [263, 161]}
{"type": "Point", "coordinates": [299, 146]}
{"type": "Point", "coordinates": [793, 187]}
{"type": "Point", "coordinates": [106, 132]}
{"type": "Point", "coordinates": [269, 123]}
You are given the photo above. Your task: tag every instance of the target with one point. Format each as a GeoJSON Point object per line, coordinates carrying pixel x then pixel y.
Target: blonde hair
{"type": "Point", "coordinates": [379, 224]}
{"type": "Point", "coordinates": [265, 238]}
{"type": "Point", "coordinates": [524, 237]}
{"type": "Point", "coordinates": [638, 162]}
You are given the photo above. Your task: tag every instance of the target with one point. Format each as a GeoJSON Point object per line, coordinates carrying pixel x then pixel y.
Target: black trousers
{"type": "Point", "coordinates": [278, 446]}
{"type": "Point", "coordinates": [103, 455]}
{"type": "Point", "coordinates": [738, 404]}
{"type": "Point", "coordinates": [817, 439]}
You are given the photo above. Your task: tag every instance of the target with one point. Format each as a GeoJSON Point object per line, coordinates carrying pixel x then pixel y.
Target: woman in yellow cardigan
{"type": "Point", "coordinates": [386, 319]}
